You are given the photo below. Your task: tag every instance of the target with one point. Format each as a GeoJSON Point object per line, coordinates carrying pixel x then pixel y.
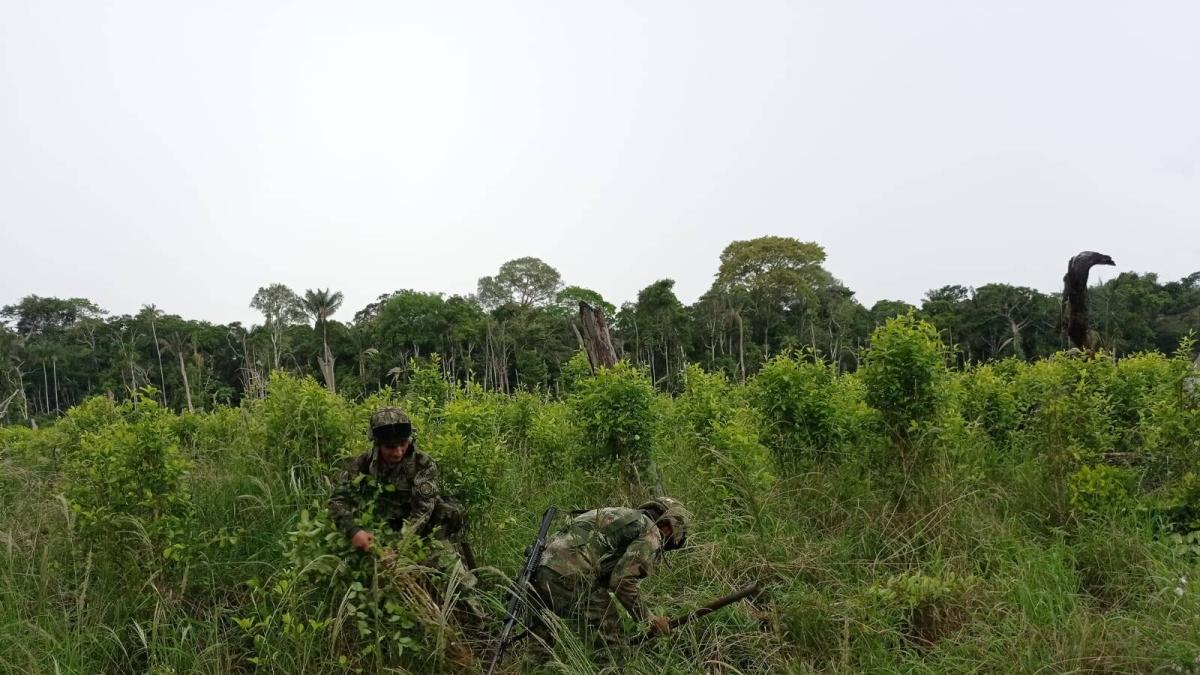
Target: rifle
{"type": "Point", "coordinates": [518, 602]}
{"type": "Point", "coordinates": [700, 611]}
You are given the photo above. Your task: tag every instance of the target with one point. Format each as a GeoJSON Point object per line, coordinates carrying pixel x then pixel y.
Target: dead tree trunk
{"type": "Point", "coordinates": [596, 341]}
{"type": "Point", "coordinates": [1074, 301]}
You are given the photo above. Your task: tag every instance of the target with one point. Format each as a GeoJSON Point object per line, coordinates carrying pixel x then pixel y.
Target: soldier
{"type": "Point", "coordinates": [398, 482]}
{"type": "Point", "coordinates": [605, 551]}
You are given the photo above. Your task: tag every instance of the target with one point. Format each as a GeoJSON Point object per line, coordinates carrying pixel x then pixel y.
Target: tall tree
{"type": "Point", "coordinates": [524, 282]}
{"type": "Point", "coordinates": [152, 314]}
{"type": "Point", "coordinates": [280, 307]}
{"type": "Point", "coordinates": [775, 273]}
{"type": "Point", "coordinates": [320, 304]}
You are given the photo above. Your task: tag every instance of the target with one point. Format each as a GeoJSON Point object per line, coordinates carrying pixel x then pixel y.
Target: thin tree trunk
{"type": "Point", "coordinates": [741, 344]}
{"type": "Point", "coordinates": [45, 387]}
{"type": "Point", "coordinates": [183, 371]}
{"type": "Point", "coordinates": [54, 365]}
{"type": "Point", "coordinates": [162, 378]}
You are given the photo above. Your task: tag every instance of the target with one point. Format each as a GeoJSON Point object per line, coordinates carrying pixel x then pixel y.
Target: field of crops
{"type": "Point", "coordinates": [907, 517]}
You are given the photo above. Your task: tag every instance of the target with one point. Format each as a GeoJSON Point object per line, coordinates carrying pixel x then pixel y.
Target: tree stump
{"type": "Point", "coordinates": [597, 343]}
{"type": "Point", "coordinates": [1074, 299]}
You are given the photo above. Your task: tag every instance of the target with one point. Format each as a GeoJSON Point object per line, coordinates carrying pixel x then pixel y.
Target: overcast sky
{"type": "Point", "coordinates": [186, 153]}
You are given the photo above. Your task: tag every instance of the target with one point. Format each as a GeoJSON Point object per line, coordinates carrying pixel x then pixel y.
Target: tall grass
{"type": "Point", "coordinates": [976, 532]}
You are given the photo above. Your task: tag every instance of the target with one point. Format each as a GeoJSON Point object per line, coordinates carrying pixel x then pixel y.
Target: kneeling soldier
{"type": "Point", "coordinates": [397, 482]}
{"type": "Point", "coordinates": [604, 553]}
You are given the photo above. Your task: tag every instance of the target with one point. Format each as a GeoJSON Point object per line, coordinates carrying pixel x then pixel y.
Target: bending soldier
{"type": "Point", "coordinates": [602, 554]}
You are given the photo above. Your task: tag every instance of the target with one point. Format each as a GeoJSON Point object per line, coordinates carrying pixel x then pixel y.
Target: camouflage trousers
{"type": "Point", "coordinates": [584, 605]}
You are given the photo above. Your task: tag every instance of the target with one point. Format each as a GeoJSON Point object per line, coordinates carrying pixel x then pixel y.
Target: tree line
{"type": "Point", "coordinates": [518, 330]}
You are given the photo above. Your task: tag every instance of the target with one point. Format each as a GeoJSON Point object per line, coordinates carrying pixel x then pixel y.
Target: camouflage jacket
{"type": "Point", "coordinates": [407, 491]}
{"type": "Point", "coordinates": [614, 548]}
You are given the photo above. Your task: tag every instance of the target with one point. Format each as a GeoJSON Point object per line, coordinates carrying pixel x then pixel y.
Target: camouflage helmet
{"type": "Point", "coordinates": [671, 512]}
{"type": "Point", "coordinates": [390, 425]}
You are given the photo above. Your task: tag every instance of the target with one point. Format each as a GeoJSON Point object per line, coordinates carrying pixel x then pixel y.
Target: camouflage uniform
{"type": "Point", "coordinates": [407, 491]}
{"type": "Point", "coordinates": [599, 552]}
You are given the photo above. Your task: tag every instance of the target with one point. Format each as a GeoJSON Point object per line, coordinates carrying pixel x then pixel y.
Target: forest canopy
{"type": "Point", "coordinates": [517, 331]}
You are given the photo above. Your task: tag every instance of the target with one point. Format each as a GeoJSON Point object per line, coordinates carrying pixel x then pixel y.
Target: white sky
{"type": "Point", "coordinates": [186, 153]}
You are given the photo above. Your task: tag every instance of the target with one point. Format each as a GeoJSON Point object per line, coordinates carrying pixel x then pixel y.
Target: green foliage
{"type": "Point", "coordinates": [128, 476]}
{"type": "Point", "coordinates": [427, 389]}
{"type": "Point", "coordinates": [798, 396]}
{"type": "Point", "coordinates": [301, 425]}
{"type": "Point", "coordinates": [181, 546]}
{"type": "Point", "coordinates": [575, 370]}
{"type": "Point", "coordinates": [1101, 489]}
{"type": "Point", "coordinates": [555, 440]}
{"type": "Point", "coordinates": [471, 452]}
{"type": "Point", "coordinates": [923, 607]}
{"type": "Point", "coordinates": [905, 378]}
{"type": "Point", "coordinates": [986, 400]}
{"type": "Point", "coordinates": [615, 410]}
{"type": "Point", "coordinates": [331, 593]}
{"type": "Point", "coordinates": [1181, 506]}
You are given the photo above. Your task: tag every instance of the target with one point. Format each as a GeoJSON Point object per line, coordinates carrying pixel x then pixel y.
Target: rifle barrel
{"type": "Point", "coordinates": [533, 557]}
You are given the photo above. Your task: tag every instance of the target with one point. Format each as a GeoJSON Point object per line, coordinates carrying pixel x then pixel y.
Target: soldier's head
{"type": "Point", "coordinates": [671, 518]}
{"type": "Point", "coordinates": [392, 432]}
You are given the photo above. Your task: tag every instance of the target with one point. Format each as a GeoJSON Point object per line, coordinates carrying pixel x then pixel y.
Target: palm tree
{"type": "Point", "coordinates": [320, 304]}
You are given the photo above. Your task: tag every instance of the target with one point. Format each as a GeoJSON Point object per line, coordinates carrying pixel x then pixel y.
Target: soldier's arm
{"type": "Point", "coordinates": [344, 503]}
{"type": "Point", "coordinates": [426, 491]}
{"type": "Point", "coordinates": [635, 565]}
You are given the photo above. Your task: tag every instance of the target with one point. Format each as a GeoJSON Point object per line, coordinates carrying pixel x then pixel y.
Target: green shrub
{"type": "Point", "coordinates": [575, 370]}
{"type": "Point", "coordinates": [470, 451]}
{"type": "Point", "coordinates": [376, 609]}
{"type": "Point", "coordinates": [1181, 506]}
{"type": "Point", "coordinates": [15, 440]}
{"type": "Point", "coordinates": [905, 376]}
{"type": "Point", "coordinates": [300, 424]}
{"type": "Point", "coordinates": [922, 607]}
{"type": "Point", "coordinates": [615, 409]}
{"type": "Point", "coordinates": [798, 397]}
{"type": "Point", "coordinates": [986, 401]}
{"type": "Point", "coordinates": [555, 440]}
{"type": "Point", "coordinates": [1101, 489]}
{"type": "Point", "coordinates": [129, 476]}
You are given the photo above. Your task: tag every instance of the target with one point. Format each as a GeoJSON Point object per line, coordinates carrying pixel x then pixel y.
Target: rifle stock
{"type": "Point", "coordinates": [518, 601]}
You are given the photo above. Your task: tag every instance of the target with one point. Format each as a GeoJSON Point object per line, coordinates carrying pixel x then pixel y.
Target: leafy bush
{"type": "Point", "coordinates": [923, 607]}
{"type": "Point", "coordinates": [130, 476]}
{"type": "Point", "coordinates": [1101, 489]}
{"type": "Point", "coordinates": [301, 424]}
{"type": "Point", "coordinates": [555, 440]}
{"type": "Point", "coordinates": [986, 400]}
{"type": "Point", "coordinates": [15, 440]}
{"type": "Point", "coordinates": [470, 452]}
{"type": "Point", "coordinates": [798, 396]}
{"type": "Point", "coordinates": [385, 607]}
{"type": "Point", "coordinates": [575, 370]}
{"type": "Point", "coordinates": [615, 409]}
{"type": "Point", "coordinates": [905, 376]}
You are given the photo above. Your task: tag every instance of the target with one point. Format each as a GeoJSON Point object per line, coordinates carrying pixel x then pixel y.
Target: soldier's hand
{"type": "Point", "coordinates": [660, 625]}
{"type": "Point", "coordinates": [362, 540]}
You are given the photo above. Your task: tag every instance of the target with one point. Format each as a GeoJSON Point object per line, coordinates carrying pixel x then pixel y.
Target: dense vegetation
{"type": "Point", "coordinates": [768, 295]}
{"type": "Point", "coordinates": [914, 514]}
